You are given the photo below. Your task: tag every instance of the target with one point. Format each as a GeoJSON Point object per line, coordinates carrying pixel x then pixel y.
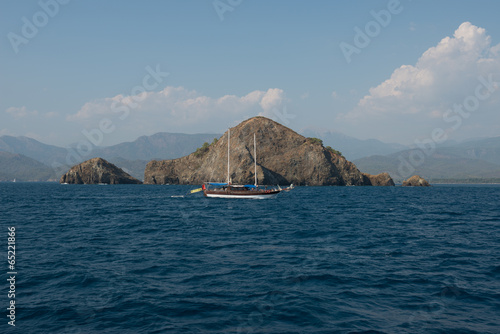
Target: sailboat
{"type": "Point", "coordinates": [229, 190]}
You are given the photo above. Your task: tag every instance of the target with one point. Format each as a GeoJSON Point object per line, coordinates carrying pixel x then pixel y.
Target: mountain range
{"type": "Point", "coordinates": [353, 148]}
{"type": "Point", "coordinates": [130, 156]}
{"type": "Point", "coordinates": [19, 167]}
{"type": "Point", "coordinates": [27, 159]}
{"type": "Point", "coordinates": [470, 161]}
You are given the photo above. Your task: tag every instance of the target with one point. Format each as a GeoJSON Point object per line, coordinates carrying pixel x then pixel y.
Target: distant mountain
{"type": "Point", "coordinates": [161, 145]}
{"type": "Point", "coordinates": [460, 162]}
{"type": "Point", "coordinates": [353, 148]}
{"type": "Point", "coordinates": [487, 149]}
{"type": "Point", "coordinates": [133, 167]}
{"type": "Point", "coordinates": [477, 158]}
{"type": "Point", "coordinates": [33, 149]}
{"type": "Point", "coordinates": [21, 168]}
{"type": "Point", "coordinates": [131, 156]}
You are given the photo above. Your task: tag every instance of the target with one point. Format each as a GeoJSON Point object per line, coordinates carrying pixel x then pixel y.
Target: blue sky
{"type": "Point", "coordinates": [84, 69]}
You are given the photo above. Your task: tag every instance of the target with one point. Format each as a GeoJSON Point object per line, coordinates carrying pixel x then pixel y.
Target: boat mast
{"type": "Point", "coordinates": [228, 136]}
{"type": "Point", "coordinates": [255, 158]}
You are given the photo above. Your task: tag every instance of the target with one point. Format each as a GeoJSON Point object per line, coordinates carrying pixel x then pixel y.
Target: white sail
{"type": "Point", "coordinates": [255, 158]}
{"type": "Point", "coordinates": [228, 141]}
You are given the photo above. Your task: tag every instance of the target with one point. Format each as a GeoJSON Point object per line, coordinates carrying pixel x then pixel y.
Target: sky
{"type": "Point", "coordinates": [106, 72]}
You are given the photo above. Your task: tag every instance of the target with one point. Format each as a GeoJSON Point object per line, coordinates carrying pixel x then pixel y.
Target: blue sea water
{"type": "Point", "coordinates": [134, 259]}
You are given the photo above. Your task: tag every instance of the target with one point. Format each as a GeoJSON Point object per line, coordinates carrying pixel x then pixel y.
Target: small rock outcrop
{"type": "Point", "coordinates": [95, 171]}
{"type": "Point", "coordinates": [283, 157]}
{"type": "Point", "coordinates": [416, 181]}
{"type": "Point", "coordinates": [382, 179]}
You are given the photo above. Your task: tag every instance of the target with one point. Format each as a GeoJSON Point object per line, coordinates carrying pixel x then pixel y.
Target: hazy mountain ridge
{"type": "Point", "coordinates": [471, 159]}
{"type": "Point", "coordinates": [479, 159]}
{"type": "Point", "coordinates": [33, 149]}
{"type": "Point", "coordinates": [132, 156]}
{"type": "Point", "coordinates": [484, 149]}
{"type": "Point", "coordinates": [161, 145]}
{"type": "Point", "coordinates": [353, 148]}
{"type": "Point", "coordinates": [133, 167]}
{"type": "Point", "coordinates": [19, 167]}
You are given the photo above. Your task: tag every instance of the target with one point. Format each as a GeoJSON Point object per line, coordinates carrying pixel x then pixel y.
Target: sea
{"type": "Point", "coordinates": [155, 259]}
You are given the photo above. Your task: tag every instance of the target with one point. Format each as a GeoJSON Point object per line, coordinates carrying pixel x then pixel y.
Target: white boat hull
{"type": "Point", "coordinates": [252, 196]}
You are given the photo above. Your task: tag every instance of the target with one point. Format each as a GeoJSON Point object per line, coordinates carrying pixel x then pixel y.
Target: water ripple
{"type": "Point", "coordinates": [134, 259]}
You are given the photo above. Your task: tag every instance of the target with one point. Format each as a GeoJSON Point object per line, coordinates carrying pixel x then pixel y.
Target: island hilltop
{"type": "Point", "coordinates": [95, 171]}
{"type": "Point", "coordinates": [283, 157]}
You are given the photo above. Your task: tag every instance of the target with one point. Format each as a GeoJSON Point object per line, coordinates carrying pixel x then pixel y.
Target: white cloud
{"type": "Point", "coordinates": [21, 112]}
{"type": "Point", "coordinates": [271, 99]}
{"type": "Point", "coordinates": [444, 75]}
{"type": "Point", "coordinates": [177, 109]}
{"type": "Point", "coordinates": [36, 124]}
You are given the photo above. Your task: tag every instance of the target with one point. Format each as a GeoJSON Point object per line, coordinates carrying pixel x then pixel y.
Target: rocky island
{"type": "Point", "coordinates": [382, 179]}
{"type": "Point", "coordinates": [415, 181]}
{"type": "Point", "coordinates": [95, 171]}
{"type": "Point", "coordinates": [283, 157]}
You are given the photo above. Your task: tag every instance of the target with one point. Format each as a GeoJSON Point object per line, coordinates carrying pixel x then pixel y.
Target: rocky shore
{"type": "Point", "coordinates": [97, 171]}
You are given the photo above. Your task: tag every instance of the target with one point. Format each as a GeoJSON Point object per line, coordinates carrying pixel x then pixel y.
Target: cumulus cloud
{"type": "Point", "coordinates": [444, 75]}
{"type": "Point", "coordinates": [179, 109]}
{"type": "Point", "coordinates": [271, 99]}
{"type": "Point", "coordinates": [21, 112]}
{"type": "Point", "coordinates": [22, 121]}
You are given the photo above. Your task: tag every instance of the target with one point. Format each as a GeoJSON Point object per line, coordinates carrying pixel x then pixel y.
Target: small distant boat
{"type": "Point", "coordinates": [14, 180]}
{"type": "Point", "coordinates": [229, 190]}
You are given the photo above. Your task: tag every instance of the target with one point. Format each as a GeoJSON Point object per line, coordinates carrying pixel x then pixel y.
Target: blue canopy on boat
{"type": "Point", "coordinates": [249, 186]}
{"type": "Point", "coordinates": [217, 184]}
